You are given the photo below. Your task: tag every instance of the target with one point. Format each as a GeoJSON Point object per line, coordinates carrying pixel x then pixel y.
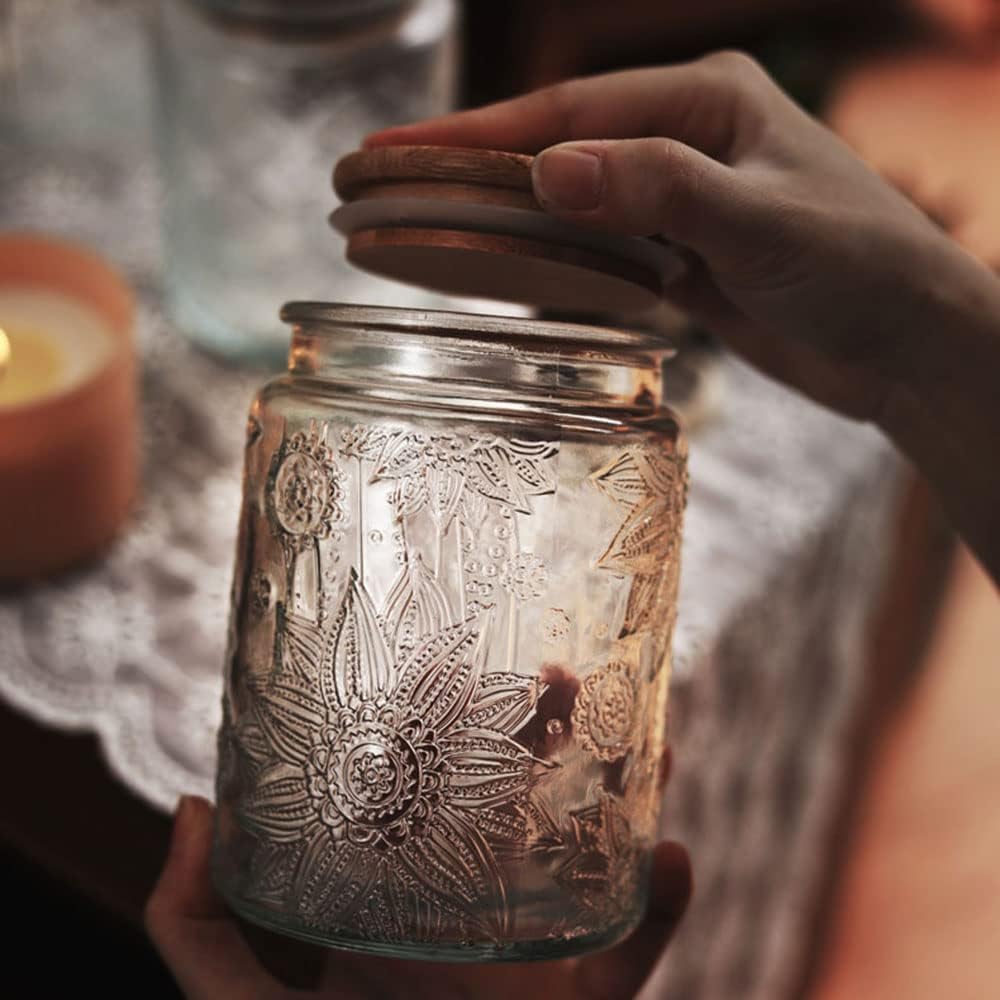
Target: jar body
{"type": "Point", "coordinates": [257, 98]}
{"type": "Point", "coordinates": [447, 679]}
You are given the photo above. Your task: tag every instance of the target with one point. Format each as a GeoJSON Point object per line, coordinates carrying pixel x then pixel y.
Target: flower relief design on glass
{"type": "Point", "coordinates": [602, 867]}
{"type": "Point", "coordinates": [643, 772]}
{"type": "Point", "coordinates": [524, 577]}
{"type": "Point", "coordinates": [307, 500]}
{"type": "Point", "coordinates": [383, 780]}
{"type": "Point", "coordinates": [381, 771]}
{"type": "Point", "coordinates": [472, 490]}
{"type": "Point", "coordinates": [604, 713]}
{"type": "Point", "coordinates": [440, 470]}
{"type": "Point", "coordinates": [651, 487]}
{"type": "Point", "coordinates": [617, 715]}
{"type": "Point", "coordinates": [308, 494]}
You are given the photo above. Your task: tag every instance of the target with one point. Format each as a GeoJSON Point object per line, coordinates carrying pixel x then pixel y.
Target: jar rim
{"type": "Point", "coordinates": [476, 326]}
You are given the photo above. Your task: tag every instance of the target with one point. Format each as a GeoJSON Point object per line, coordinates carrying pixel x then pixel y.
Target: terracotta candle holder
{"type": "Point", "coordinates": [68, 443]}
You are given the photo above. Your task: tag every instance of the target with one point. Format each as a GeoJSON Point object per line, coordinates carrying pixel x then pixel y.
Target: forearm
{"type": "Point", "coordinates": [945, 413]}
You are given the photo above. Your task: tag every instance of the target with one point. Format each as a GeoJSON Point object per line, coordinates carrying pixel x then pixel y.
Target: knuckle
{"type": "Point", "coordinates": [678, 179]}
{"type": "Point", "coordinates": [748, 89]}
{"type": "Point", "coordinates": [737, 65]}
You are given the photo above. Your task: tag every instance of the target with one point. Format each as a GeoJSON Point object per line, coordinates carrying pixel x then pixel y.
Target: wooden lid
{"type": "Point", "coordinates": [484, 168]}
{"type": "Point", "coordinates": [466, 222]}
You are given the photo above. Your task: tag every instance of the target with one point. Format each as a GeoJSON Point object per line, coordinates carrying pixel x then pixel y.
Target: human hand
{"type": "Point", "coordinates": [203, 945]}
{"type": "Point", "coordinates": [806, 262]}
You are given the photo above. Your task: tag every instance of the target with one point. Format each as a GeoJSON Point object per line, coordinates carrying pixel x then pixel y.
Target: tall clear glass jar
{"type": "Point", "coordinates": [256, 99]}
{"type": "Point", "coordinates": [455, 587]}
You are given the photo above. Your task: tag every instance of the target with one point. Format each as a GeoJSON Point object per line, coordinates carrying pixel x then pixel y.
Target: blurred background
{"type": "Point", "coordinates": [191, 143]}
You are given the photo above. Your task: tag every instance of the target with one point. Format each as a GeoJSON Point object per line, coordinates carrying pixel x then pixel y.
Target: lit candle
{"type": "Point", "coordinates": [54, 343]}
{"type": "Point", "coordinates": [67, 406]}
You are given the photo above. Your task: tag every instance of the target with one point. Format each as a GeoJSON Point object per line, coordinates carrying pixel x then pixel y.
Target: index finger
{"type": "Point", "coordinates": [700, 103]}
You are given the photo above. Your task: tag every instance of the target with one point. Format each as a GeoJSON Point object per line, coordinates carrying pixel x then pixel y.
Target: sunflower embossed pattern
{"type": "Point", "coordinates": [446, 684]}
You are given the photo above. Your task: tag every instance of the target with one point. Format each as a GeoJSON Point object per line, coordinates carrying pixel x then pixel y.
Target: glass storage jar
{"type": "Point", "coordinates": [256, 99]}
{"type": "Point", "coordinates": [455, 588]}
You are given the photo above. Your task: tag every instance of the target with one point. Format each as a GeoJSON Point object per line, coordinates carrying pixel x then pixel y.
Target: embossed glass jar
{"type": "Point", "coordinates": [455, 587]}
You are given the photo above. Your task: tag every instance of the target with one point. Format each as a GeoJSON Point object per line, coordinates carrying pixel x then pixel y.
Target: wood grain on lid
{"type": "Point", "coordinates": [484, 168]}
{"type": "Point", "coordinates": [466, 222]}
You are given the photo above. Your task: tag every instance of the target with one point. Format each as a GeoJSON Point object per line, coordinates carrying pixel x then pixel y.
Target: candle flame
{"type": "Point", "coordinates": [4, 352]}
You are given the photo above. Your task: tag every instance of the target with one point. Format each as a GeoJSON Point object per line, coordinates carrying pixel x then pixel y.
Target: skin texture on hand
{"type": "Point", "coordinates": [203, 945]}
{"type": "Point", "coordinates": [807, 263]}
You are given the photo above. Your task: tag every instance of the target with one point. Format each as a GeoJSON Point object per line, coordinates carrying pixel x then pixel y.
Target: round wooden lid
{"type": "Point", "coordinates": [487, 169]}
{"type": "Point", "coordinates": [466, 222]}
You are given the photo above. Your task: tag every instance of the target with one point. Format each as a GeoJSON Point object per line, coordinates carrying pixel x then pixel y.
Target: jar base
{"type": "Point", "coordinates": [568, 945]}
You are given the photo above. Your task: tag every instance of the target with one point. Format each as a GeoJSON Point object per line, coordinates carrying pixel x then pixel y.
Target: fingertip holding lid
{"type": "Point", "coordinates": [465, 222]}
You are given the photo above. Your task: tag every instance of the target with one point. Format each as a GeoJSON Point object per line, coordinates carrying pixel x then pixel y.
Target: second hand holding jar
{"type": "Point", "coordinates": [456, 582]}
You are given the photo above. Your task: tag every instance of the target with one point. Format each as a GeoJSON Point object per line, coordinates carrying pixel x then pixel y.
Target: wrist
{"type": "Point", "coordinates": [943, 407]}
{"type": "Point", "coordinates": [947, 371]}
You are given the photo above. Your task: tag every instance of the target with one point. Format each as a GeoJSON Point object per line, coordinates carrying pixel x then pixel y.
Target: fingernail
{"type": "Point", "coordinates": [567, 178]}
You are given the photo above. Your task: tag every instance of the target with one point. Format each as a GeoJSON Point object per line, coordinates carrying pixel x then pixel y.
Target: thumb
{"type": "Point", "coordinates": [642, 187]}
{"type": "Point", "coordinates": [189, 924]}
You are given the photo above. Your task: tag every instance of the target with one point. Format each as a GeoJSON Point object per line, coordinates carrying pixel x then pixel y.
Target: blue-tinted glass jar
{"type": "Point", "coordinates": [256, 99]}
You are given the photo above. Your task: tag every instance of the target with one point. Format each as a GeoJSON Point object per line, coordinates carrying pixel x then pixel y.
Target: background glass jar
{"type": "Point", "coordinates": [447, 677]}
{"type": "Point", "coordinates": [256, 99]}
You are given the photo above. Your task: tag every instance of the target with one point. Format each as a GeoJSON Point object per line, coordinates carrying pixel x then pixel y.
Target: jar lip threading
{"type": "Point", "coordinates": [477, 326]}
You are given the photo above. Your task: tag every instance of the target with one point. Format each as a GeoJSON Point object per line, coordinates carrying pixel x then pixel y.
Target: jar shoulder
{"type": "Point", "coordinates": [289, 398]}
